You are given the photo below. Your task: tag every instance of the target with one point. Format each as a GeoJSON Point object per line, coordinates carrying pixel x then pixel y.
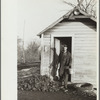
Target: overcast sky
{"type": "Point", "coordinates": [38, 14]}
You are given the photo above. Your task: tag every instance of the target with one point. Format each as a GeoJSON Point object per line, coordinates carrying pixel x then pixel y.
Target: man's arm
{"type": "Point", "coordinates": [59, 58]}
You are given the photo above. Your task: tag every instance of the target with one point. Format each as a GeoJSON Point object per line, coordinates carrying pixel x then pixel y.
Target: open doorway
{"type": "Point", "coordinates": [59, 43]}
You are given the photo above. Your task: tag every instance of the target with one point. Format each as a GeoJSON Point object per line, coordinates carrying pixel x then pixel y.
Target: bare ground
{"type": "Point", "coordinates": [37, 95]}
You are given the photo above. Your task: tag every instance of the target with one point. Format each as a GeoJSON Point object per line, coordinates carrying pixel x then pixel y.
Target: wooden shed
{"type": "Point", "coordinates": [78, 30]}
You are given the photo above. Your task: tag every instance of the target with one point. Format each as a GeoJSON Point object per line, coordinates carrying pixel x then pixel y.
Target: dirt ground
{"type": "Point", "coordinates": [37, 95]}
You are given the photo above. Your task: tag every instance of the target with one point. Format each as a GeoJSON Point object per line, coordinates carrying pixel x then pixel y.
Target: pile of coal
{"type": "Point", "coordinates": [44, 84]}
{"type": "Point", "coordinates": [38, 83]}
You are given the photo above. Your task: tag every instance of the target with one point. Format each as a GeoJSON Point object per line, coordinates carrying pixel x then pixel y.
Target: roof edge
{"type": "Point", "coordinates": [50, 26]}
{"type": "Point", "coordinates": [53, 24]}
{"type": "Point", "coordinates": [86, 14]}
{"type": "Point", "coordinates": [63, 17]}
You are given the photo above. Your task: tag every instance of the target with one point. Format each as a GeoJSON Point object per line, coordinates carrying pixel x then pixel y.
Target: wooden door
{"type": "Point", "coordinates": [57, 52]}
{"type": "Point", "coordinates": [57, 46]}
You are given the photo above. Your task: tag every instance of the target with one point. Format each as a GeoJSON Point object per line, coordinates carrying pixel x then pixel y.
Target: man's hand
{"type": "Point", "coordinates": [66, 67]}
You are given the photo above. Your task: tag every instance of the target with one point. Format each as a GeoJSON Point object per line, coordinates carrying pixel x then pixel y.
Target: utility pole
{"type": "Point", "coordinates": [23, 43]}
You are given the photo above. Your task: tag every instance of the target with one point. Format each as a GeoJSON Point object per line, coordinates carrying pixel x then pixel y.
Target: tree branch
{"type": "Point", "coordinates": [70, 4]}
{"type": "Point", "coordinates": [88, 5]}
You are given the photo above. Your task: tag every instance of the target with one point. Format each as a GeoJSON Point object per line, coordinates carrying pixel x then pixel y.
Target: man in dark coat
{"type": "Point", "coordinates": [65, 63]}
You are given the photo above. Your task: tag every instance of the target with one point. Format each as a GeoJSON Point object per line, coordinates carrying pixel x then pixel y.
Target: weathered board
{"type": "Point", "coordinates": [45, 56]}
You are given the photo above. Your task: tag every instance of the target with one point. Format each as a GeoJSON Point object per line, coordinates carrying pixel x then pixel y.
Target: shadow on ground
{"type": "Point", "coordinates": [37, 95]}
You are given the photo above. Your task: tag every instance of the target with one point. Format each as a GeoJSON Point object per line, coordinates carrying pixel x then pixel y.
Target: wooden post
{"type": "Point", "coordinates": [23, 43]}
{"type": "Point", "coordinates": [42, 57]}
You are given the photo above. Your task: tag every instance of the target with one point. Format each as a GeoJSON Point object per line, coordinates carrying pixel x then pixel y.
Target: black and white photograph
{"type": "Point", "coordinates": [56, 50]}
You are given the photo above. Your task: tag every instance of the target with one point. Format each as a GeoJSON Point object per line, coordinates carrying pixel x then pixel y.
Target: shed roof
{"type": "Point", "coordinates": [63, 17]}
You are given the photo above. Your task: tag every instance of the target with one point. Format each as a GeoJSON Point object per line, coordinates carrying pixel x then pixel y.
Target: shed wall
{"type": "Point", "coordinates": [84, 56]}
{"type": "Point", "coordinates": [45, 56]}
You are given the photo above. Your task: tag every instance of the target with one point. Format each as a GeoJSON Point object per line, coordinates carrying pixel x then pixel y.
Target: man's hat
{"type": "Point", "coordinates": [65, 45]}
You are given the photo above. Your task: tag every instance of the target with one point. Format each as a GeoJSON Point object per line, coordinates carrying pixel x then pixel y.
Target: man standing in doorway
{"type": "Point", "coordinates": [65, 61]}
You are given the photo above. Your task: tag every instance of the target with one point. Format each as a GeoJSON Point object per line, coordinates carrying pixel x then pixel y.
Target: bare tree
{"type": "Point", "coordinates": [32, 52]}
{"type": "Point", "coordinates": [88, 6]}
{"type": "Point", "coordinates": [19, 50]}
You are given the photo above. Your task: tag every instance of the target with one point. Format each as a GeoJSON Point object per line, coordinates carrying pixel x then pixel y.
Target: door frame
{"type": "Point", "coordinates": [72, 50]}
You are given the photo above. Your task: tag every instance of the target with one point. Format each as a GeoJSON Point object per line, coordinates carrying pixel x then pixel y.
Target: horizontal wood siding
{"type": "Point", "coordinates": [84, 58]}
{"type": "Point", "coordinates": [85, 61]}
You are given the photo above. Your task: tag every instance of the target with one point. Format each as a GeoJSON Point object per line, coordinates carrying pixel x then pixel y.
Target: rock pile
{"type": "Point", "coordinates": [38, 83]}
{"type": "Point", "coordinates": [44, 84]}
